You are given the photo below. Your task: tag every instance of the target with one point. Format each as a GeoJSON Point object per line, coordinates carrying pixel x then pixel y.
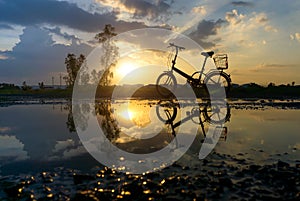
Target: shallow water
{"type": "Point", "coordinates": [34, 138]}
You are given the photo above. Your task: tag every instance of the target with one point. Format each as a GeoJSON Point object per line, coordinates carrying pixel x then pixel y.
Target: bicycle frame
{"type": "Point", "coordinates": [180, 72]}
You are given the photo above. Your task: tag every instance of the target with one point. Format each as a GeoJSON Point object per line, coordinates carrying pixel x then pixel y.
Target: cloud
{"type": "Point", "coordinates": [6, 26]}
{"type": "Point", "coordinates": [242, 3]}
{"type": "Point", "coordinates": [3, 57]}
{"type": "Point", "coordinates": [247, 43]}
{"type": "Point", "coordinates": [63, 145]}
{"type": "Point", "coordinates": [36, 56]}
{"type": "Point", "coordinates": [36, 12]}
{"type": "Point", "coordinates": [204, 30]}
{"type": "Point", "coordinates": [80, 150]}
{"type": "Point", "coordinates": [295, 36]}
{"type": "Point", "coordinates": [272, 67]}
{"type": "Point", "coordinates": [233, 17]}
{"type": "Point", "coordinates": [261, 19]}
{"type": "Point", "coordinates": [269, 28]}
{"type": "Point", "coordinates": [11, 149]}
{"type": "Point", "coordinates": [199, 9]}
{"type": "Point", "coordinates": [4, 129]}
{"type": "Point", "coordinates": [154, 10]}
{"type": "Point", "coordinates": [58, 32]}
{"type": "Point", "coordinates": [253, 21]}
{"type": "Point", "coordinates": [243, 30]}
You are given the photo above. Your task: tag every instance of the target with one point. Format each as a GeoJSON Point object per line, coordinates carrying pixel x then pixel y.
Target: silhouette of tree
{"type": "Point", "coordinates": [109, 58]}
{"type": "Point", "coordinates": [25, 87]}
{"type": "Point", "coordinates": [293, 83]}
{"type": "Point", "coordinates": [73, 65]}
{"type": "Point", "coordinates": [41, 85]}
{"type": "Point", "coordinates": [271, 84]}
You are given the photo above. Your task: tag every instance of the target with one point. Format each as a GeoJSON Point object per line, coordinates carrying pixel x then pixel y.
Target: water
{"type": "Point", "coordinates": [35, 137]}
{"type": "Point", "coordinates": [258, 151]}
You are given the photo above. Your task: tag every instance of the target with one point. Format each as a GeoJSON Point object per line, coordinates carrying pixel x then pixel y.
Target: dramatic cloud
{"type": "Point", "coordinates": [154, 10]}
{"type": "Point", "coordinates": [36, 56]}
{"type": "Point", "coordinates": [204, 30]}
{"type": "Point", "coordinates": [242, 3]}
{"type": "Point", "coordinates": [36, 12]}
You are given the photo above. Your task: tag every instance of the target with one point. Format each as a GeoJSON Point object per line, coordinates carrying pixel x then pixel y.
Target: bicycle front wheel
{"type": "Point", "coordinates": [218, 80]}
{"type": "Point", "coordinates": [166, 84]}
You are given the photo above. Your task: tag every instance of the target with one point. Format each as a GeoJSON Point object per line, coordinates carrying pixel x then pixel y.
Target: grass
{"type": "Point", "coordinates": [48, 93]}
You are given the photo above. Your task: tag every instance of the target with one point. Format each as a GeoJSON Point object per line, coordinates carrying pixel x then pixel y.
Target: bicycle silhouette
{"type": "Point", "coordinates": [166, 82]}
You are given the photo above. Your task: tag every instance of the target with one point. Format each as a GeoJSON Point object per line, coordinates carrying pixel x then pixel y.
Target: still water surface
{"type": "Point", "coordinates": [35, 137]}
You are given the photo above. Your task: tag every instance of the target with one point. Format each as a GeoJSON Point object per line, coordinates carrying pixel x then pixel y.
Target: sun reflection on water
{"type": "Point", "coordinates": [138, 114]}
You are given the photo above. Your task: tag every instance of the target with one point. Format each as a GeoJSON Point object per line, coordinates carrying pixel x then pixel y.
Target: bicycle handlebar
{"type": "Point", "coordinates": [176, 46]}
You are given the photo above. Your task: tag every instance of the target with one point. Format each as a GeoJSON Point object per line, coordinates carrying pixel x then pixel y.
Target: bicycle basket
{"type": "Point", "coordinates": [221, 61]}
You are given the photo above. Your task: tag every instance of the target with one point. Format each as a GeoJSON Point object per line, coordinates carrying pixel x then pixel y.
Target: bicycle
{"type": "Point", "coordinates": [166, 83]}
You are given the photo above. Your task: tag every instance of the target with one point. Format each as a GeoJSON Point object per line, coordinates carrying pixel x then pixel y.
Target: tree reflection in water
{"type": "Point", "coordinates": [106, 119]}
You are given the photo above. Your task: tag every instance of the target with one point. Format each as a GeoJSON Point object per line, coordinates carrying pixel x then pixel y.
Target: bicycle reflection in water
{"type": "Point", "coordinates": [135, 126]}
{"type": "Point", "coordinates": [203, 113]}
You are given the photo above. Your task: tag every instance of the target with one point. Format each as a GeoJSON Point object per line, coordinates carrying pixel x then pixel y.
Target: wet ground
{"type": "Point", "coordinates": [219, 177]}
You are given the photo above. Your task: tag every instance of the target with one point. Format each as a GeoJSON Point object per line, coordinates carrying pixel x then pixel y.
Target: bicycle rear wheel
{"type": "Point", "coordinates": [218, 80]}
{"type": "Point", "coordinates": [166, 84]}
{"type": "Point", "coordinates": [166, 111]}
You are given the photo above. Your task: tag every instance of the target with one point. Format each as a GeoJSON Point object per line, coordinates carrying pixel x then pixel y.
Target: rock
{"type": "Point", "coordinates": [79, 179]}
{"type": "Point", "coordinates": [225, 181]}
{"type": "Point", "coordinates": [254, 168]}
{"type": "Point", "coordinates": [282, 165]}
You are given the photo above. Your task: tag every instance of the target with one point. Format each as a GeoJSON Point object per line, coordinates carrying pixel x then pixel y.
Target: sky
{"type": "Point", "coordinates": [261, 38]}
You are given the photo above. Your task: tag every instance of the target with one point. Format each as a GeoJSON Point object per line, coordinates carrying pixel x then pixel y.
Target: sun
{"type": "Point", "coordinates": [127, 114]}
{"type": "Point", "coordinates": [125, 68]}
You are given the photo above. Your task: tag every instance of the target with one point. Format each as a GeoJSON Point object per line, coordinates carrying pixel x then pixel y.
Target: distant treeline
{"type": "Point", "coordinates": [251, 90]}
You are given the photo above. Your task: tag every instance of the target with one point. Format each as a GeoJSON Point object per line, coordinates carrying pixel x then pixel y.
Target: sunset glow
{"type": "Point", "coordinates": [125, 68]}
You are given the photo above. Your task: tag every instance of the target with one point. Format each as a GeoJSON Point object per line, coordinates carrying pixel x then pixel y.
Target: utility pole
{"type": "Point", "coordinates": [60, 80]}
{"type": "Point", "coordinates": [53, 81]}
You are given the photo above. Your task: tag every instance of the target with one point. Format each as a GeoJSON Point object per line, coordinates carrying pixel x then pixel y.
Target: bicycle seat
{"type": "Point", "coordinates": [210, 53]}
